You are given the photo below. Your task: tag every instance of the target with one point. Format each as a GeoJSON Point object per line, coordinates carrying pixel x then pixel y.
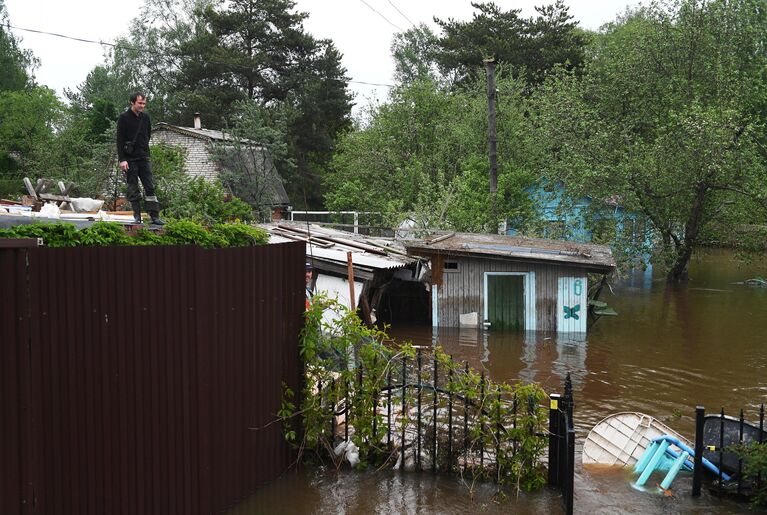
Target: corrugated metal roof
{"type": "Point", "coordinates": [518, 248]}
{"type": "Point", "coordinates": [322, 244]}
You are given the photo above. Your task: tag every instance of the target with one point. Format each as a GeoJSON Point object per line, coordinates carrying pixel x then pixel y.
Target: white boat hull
{"type": "Point", "coordinates": [621, 439]}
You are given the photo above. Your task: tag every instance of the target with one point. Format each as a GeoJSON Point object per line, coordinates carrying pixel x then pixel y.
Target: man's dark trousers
{"type": "Point", "coordinates": [141, 169]}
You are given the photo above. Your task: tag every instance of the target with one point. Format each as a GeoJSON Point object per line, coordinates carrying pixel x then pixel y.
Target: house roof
{"type": "Point", "coordinates": [516, 248]}
{"type": "Point", "coordinates": [327, 248]}
{"type": "Point", "coordinates": [243, 156]}
{"type": "Point", "coordinates": [205, 134]}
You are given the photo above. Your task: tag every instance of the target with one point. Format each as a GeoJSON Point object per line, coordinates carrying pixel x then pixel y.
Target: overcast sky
{"type": "Point", "coordinates": [361, 29]}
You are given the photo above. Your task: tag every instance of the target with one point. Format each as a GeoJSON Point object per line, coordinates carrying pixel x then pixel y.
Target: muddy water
{"type": "Point", "coordinates": [669, 350]}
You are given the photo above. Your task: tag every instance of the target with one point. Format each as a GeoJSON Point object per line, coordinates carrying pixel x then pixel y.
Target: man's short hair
{"type": "Point", "coordinates": [135, 96]}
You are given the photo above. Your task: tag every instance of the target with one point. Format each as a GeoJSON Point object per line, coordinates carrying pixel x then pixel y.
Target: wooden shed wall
{"type": "Point", "coordinates": [463, 291]}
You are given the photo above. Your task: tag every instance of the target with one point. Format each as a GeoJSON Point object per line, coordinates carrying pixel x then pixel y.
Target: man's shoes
{"type": "Point", "coordinates": [137, 219]}
{"type": "Point", "coordinates": [156, 220]}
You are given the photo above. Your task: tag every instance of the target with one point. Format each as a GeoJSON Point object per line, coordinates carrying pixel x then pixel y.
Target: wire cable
{"type": "Point", "coordinates": [170, 57]}
{"type": "Point", "coordinates": [401, 13]}
{"type": "Point", "coordinates": [382, 16]}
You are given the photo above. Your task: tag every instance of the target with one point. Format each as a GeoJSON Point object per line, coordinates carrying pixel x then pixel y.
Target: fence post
{"type": "Point", "coordinates": [697, 472]}
{"type": "Point", "coordinates": [554, 438]}
{"type": "Point", "coordinates": [570, 479]}
{"type": "Point", "coordinates": [568, 400]}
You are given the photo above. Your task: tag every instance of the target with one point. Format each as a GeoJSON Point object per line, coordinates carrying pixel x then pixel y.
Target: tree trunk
{"type": "Point", "coordinates": [679, 271]}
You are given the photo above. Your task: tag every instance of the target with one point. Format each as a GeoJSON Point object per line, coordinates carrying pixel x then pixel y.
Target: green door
{"type": "Point", "coordinates": [505, 302]}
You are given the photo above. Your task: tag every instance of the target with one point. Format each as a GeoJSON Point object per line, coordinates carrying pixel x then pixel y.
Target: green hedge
{"type": "Point", "coordinates": [182, 232]}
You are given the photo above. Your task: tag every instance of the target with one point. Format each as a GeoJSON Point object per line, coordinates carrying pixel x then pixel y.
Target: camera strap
{"type": "Point", "coordinates": [135, 136]}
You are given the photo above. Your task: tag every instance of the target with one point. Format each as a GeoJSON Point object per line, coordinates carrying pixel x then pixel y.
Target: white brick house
{"type": "Point", "coordinates": [200, 161]}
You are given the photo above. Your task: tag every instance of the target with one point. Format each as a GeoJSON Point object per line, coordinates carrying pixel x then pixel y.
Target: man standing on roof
{"type": "Point", "coordinates": [133, 132]}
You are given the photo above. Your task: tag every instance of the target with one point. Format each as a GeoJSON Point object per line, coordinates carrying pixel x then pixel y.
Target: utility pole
{"type": "Point", "coordinates": [491, 139]}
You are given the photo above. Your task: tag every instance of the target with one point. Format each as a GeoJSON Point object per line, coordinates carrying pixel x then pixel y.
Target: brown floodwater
{"type": "Point", "coordinates": [670, 349]}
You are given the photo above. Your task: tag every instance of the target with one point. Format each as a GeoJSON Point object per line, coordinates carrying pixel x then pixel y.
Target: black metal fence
{"type": "Point", "coordinates": [722, 440]}
{"type": "Point", "coordinates": [420, 419]}
{"type": "Point", "coordinates": [562, 444]}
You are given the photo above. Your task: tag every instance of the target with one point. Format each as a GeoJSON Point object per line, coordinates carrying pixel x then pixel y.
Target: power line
{"type": "Point", "coordinates": [401, 13]}
{"type": "Point", "coordinates": [382, 16]}
{"type": "Point", "coordinates": [82, 40]}
{"type": "Point", "coordinates": [159, 54]}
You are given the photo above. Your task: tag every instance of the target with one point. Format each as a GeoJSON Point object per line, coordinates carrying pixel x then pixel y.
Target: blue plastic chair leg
{"type": "Point", "coordinates": [674, 470]}
{"type": "Point", "coordinates": [646, 457]}
{"type": "Point", "coordinates": [653, 463]}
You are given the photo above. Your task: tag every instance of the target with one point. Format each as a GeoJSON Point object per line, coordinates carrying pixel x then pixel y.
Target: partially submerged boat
{"type": "Point", "coordinates": [647, 445]}
{"type": "Point", "coordinates": [621, 439]}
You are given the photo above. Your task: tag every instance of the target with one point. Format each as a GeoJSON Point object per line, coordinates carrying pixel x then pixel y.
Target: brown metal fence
{"type": "Point", "coordinates": [144, 379]}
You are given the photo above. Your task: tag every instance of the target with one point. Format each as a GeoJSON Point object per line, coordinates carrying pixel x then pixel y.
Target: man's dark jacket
{"type": "Point", "coordinates": [127, 125]}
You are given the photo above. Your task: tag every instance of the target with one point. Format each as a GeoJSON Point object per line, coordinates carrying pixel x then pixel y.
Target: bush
{"type": "Point", "coordinates": [182, 232]}
{"type": "Point", "coordinates": [206, 202]}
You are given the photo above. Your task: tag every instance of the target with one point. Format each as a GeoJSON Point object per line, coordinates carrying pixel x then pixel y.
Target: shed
{"type": "Point", "coordinates": [199, 145]}
{"type": "Point", "coordinates": [510, 282]}
{"type": "Point", "coordinates": [387, 282]}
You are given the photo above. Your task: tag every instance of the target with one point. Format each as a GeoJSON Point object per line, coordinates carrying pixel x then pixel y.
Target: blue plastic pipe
{"type": "Point", "coordinates": [646, 457]}
{"type": "Point", "coordinates": [674, 470]}
{"type": "Point", "coordinates": [706, 463]}
{"type": "Point", "coordinates": [653, 462]}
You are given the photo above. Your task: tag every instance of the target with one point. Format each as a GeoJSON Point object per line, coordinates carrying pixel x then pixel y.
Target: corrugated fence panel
{"type": "Point", "coordinates": [16, 465]}
{"type": "Point", "coordinates": [144, 379]}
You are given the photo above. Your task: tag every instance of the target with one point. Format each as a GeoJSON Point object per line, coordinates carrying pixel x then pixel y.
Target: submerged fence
{"type": "Point", "coordinates": [144, 379]}
{"type": "Point", "coordinates": [723, 440]}
{"type": "Point", "coordinates": [428, 413]}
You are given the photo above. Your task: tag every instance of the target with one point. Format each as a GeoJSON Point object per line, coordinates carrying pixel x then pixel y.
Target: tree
{"type": "Point", "coordinates": [423, 155]}
{"type": "Point", "coordinates": [529, 46]}
{"type": "Point", "coordinates": [666, 118]}
{"type": "Point", "coordinates": [258, 51]}
{"type": "Point", "coordinates": [28, 119]}
{"type": "Point", "coordinates": [414, 52]}
{"type": "Point", "coordinates": [17, 64]}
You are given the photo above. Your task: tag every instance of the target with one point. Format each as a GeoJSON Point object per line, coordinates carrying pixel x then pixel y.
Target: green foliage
{"type": "Point", "coordinates": [755, 465]}
{"type": "Point", "coordinates": [29, 118]}
{"type": "Point", "coordinates": [240, 235]}
{"type": "Point", "coordinates": [53, 235]}
{"type": "Point", "coordinates": [347, 365]}
{"type": "Point", "coordinates": [423, 154]}
{"type": "Point", "coordinates": [16, 63]}
{"type": "Point", "coordinates": [183, 232]}
{"type": "Point", "coordinates": [187, 232]}
{"type": "Point", "coordinates": [667, 118]}
{"type": "Point", "coordinates": [102, 234]}
{"type": "Point", "coordinates": [249, 50]}
{"type": "Point", "coordinates": [204, 201]}
{"type": "Point", "coordinates": [170, 181]}
{"type": "Point", "coordinates": [530, 46]}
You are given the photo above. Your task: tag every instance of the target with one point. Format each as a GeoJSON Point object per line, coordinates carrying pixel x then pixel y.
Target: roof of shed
{"type": "Point", "coordinates": [588, 255]}
{"type": "Point", "coordinates": [328, 248]}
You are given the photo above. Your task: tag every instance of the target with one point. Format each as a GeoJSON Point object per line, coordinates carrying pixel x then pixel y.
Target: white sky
{"type": "Point", "coordinates": [363, 36]}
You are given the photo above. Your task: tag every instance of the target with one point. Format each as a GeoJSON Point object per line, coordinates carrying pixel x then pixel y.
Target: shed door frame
{"type": "Point", "coordinates": [528, 287]}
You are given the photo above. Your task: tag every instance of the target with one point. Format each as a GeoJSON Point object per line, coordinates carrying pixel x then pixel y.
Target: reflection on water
{"type": "Point", "coordinates": [670, 349]}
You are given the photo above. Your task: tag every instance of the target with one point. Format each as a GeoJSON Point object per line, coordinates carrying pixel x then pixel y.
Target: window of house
{"type": "Point", "coordinates": [450, 266]}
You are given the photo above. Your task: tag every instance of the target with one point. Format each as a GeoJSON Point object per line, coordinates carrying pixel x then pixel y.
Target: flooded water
{"type": "Point", "coordinates": [670, 349]}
